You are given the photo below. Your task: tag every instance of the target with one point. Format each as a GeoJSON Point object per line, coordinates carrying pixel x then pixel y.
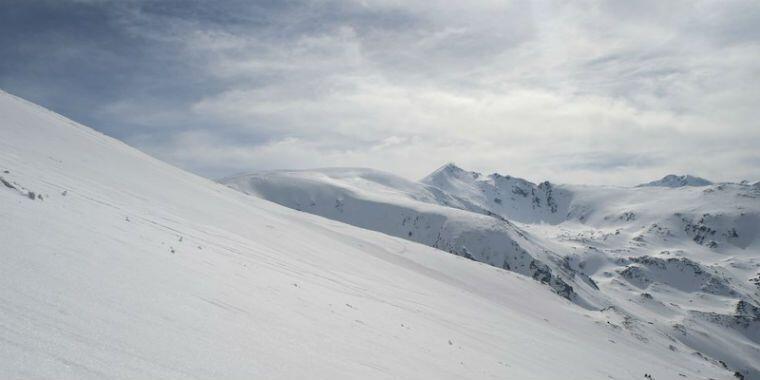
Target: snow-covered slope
{"type": "Point", "coordinates": [115, 265]}
{"type": "Point", "coordinates": [687, 259]}
{"type": "Point", "coordinates": [417, 212]}
{"type": "Point", "coordinates": [680, 264]}
{"type": "Point", "coordinates": [672, 180]}
{"type": "Point", "coordinates": [510, 197]}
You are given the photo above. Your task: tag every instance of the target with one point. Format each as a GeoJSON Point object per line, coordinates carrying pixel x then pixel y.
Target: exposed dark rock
{"type": "Point", "coordinates": [7, 184]}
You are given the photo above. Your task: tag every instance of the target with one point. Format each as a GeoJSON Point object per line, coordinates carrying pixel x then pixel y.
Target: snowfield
{"type": "Point", "coordinates": [116, 265]}
{"type": "Point", "coordinates": [674, 263]}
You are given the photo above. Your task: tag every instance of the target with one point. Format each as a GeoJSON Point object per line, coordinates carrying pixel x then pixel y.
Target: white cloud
{"type": "Point", "coordinates": [593, 91]}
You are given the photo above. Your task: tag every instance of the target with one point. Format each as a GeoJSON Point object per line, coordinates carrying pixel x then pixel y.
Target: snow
{"type": "Point", "coordinates": [413, 211]}
{"type": "Point", "coordinates": [666, 265]}
{"type": "Point", "coordinates": [672, 180]}
{"type": "Point", "coordinates": [126, 267]}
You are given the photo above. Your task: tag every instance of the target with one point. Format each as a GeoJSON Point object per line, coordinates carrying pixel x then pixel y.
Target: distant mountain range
{"type": "Point", "coordinates": [673, 260]}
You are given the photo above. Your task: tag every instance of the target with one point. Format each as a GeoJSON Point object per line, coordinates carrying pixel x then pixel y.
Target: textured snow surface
{"type": "Point", "coordinates": [116, 265]}
{"type": "Point", "coordinates": [671, 266]}
{"type": "Point", "coordinates": [672, 180]}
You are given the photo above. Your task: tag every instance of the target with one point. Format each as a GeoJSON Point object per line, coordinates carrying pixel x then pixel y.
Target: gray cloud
{"type": "Point", "coordinates": [607, 92]}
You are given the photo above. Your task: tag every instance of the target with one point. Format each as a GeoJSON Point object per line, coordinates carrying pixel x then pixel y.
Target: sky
{"type": "Point", "coordinates": [596, 92]}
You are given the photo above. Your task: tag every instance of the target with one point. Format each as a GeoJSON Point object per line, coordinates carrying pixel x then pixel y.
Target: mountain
{"type": "Point", "coordinates": [513, 198]}
{"type": "Point", "coordinates": [116, 265]}
{"type": "Point", "coordinates": [662, 264]}
{"type": "Point", "coordinates": [672, 180]}
{"type": "Point", "coordinates": [417, 212]}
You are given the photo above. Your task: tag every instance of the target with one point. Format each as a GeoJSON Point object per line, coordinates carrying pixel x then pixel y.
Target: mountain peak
{"type": "Point", "coordinates": [672, 180]}
{"type": "Point", "coordinates": [450, 167]}
{"type": "Point", "coordinates": [448, 174]}
{"type": "Point", "coordinates": [448, 170]}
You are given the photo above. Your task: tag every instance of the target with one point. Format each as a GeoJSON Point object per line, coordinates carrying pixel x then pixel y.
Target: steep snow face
{"type": "Point", "coordinates": [115, 265]}
{"type": "Point", "coordinates": [672, 180]}
{"type": "Point", "coordinates": [660, 262]}
{"type": "Point", "coordinates": [418, 212]}
{"type": "Point", "coordinates": [513, 198]}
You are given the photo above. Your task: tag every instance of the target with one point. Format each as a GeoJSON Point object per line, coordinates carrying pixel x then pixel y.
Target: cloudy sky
{"type": "Point", "coordinates": [614, 92]}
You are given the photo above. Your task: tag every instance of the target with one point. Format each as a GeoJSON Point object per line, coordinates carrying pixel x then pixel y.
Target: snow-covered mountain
{"type": "Point", "coordinates": [116, 265]}
{"type": "Point", "coordinates": [513, 198]}
{"type": "Point", "coordinates": [672, 180]}
{"type": "Point", "coordinates": [417, 212]}
{"type": "Point", "coordinates": [677, 264]}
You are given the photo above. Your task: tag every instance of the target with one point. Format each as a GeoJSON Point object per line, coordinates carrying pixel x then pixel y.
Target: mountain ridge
{"type": "Point", "coordinates": [605, 243]}
{"type": "Point", "coordinates": [673, 180]}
